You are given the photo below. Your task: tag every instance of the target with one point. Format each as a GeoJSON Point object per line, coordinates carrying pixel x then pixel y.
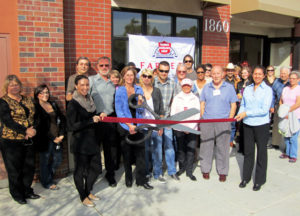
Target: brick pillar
{"type": "Point", "coordinates": [216, 35]}
{"type": "Point", "coordinates": [41, 44]}
{"type": "Point", "coordinates": [87, 27]}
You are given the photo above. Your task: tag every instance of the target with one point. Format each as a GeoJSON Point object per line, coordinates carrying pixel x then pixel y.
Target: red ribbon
{"type": "Point", "coordinates": [153, 121]}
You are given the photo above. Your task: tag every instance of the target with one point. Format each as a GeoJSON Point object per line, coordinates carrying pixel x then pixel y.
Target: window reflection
{"type": "Point", "coordinates": [186, 27]}
{"type": "Point", "coordinates": [126, 23]}
{"type": "Point", "coordinates": [158, 25]}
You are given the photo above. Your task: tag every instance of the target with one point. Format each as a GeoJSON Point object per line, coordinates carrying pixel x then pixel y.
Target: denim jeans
{"type": "Point", "coordinates": [291, 144]}
{"type": "Point", "coordinates": [153, 149]}
{"type": "Point", "coordinates": [47, 169]}
{"type": "Point", "coordinates": [169, 150]}
{"type": "Point", "coordinates": [233, 129]}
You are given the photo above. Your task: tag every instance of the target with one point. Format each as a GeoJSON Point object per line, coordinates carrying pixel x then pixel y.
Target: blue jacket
{"type": "Point", "coordinates": [121, 104]}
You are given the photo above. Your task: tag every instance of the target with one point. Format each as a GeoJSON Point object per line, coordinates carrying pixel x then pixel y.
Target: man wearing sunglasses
{"type": "Point", "coordinates": [167, 87]}
{"type": "Point", "coordinates": [188, 62]}
{"type": "Point", "coordinates": [102, 91]}
{"type": "Point", "coordinates": [181, 73]}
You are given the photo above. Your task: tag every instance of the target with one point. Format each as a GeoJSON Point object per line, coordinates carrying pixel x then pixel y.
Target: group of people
{"type": "Point", "coordinates": [247, 96]}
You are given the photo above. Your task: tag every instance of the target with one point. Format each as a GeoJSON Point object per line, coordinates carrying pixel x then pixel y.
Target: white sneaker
{"type": "Point", "coordinates": [161, 179]}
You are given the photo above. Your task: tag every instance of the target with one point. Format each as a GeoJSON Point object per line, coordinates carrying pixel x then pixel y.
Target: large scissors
{"type": "Point", "coordinates": [149, 128]}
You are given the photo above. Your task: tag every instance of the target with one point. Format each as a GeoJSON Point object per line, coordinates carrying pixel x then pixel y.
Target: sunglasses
{"type": "Point", "coordinates": [188, 61]}
{"type": "Point", "coordinates": [145, 76]}
{"type": "Point", "coordinates": [202, 72]}
{"type": "Point", "coordinates": [207, 69]}
{"type": "Point", "coordinates": [164, 71]}
{"type": "Point", "coordinates": [271, 70]}
{"type": "Point", "coordinates": [103, 65]}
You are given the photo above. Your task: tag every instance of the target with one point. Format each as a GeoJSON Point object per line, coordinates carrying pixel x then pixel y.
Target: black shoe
{"type": "Point", "coordinates": [243, 184]}
{"type": "Point", "coordinates": [32, 196]}
{"type": "Point", "coordinates": [146, 186]}
{"type": "Point", "coordinates": [256, 187]}
{"type": "Point", "coordinates": [112, 182]}
{"type": "Point", "coordinates": [180, 172]}
{"type": "Point", "coordinates": [128, 184]}
{"type": "Point", "coordinates": [175, 177]}
{"type": "Point", "coordinates": [192, 177]}
{"type": "Point", "coordinates": [21, 201]}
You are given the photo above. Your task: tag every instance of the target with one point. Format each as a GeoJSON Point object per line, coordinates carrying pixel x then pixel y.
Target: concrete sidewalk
{"type": "Point", "coordinates": [279, 196]}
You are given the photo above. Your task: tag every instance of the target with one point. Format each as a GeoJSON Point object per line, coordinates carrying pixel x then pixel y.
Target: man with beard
{"type": "Point", "coordinates": [102, 91]}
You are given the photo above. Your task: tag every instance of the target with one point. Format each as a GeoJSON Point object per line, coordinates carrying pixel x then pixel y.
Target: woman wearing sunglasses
{"type": "Point", "coordinates": [153, 146]}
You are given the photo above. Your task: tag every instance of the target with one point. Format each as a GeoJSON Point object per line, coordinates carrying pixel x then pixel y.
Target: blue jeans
{"type": "Point", "coordinates": [47, 169]}
{"type": "Point", "coordinates": [167, 138]}
{"type": "Point", "coordinates": [153, 149]}
{"type": "Point", "coordinates": [233, 129]}
{"type": "Point", "coordinates": [291, 144]}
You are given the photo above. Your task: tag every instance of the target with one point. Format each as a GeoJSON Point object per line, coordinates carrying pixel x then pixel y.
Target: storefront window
{"type": "Point", "coordinates": [186, 27]}
{"type": "Point", "coordinates": [126, 23]}
{"type": "Point", "coordinates": [158, 25]}
{"type": "Point", "coordinates": [136, 22]}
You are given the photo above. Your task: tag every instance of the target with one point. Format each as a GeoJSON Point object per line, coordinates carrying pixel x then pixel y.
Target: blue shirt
{"type": "Point", "coordinates": [218, 102]}
{"type": "Point", "coordinates": [277, 88]}
{"type": "Point", "coordinates": [122, 106]}
{"type": "Point", "coordinates": [256, 104]}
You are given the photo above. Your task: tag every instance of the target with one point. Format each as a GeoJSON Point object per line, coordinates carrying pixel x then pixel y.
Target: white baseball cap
{"type": "Point", "coordinates": [187, 81]}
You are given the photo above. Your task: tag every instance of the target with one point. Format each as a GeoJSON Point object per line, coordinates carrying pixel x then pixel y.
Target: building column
{"type": "Point", "coordinates": [216, 35]}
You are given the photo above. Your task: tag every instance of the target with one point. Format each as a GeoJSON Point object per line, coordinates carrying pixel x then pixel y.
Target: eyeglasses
{"type": "Point", "coordinates": [13, 85]}
{"type": "Point", "coordinates": [163, 71]}
{"type": "Point", "coordinates": [188, 61]}
{"type": "Point", "coordinates": [202, 72]}
{"type": "Point", "coordinates": [145, 76]}
{"type": "Point", "coordinates": [181, 71]}
{"type": "Point", "coordinates": [44, 93]}
{"type": "Point", "coordinates": [103, 65]}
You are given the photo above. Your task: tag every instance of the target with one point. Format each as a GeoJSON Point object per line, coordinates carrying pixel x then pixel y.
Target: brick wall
{"type": "Point", "coordinates": [215, 41]}
{"type": "Point", "coordinates": [87, 28]}
{"type": "Point", "coordinates": [41, 50]}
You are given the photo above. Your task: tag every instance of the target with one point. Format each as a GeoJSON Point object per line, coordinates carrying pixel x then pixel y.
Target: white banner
{"type": "Point", "coordinates": [148, 51]}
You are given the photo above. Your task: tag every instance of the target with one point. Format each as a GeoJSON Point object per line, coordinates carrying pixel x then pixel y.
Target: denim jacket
{"type": "Point", "coordinates": [122, 106]}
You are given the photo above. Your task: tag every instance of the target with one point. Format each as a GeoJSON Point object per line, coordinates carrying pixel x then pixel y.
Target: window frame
{"type": "Point", "coordinates": [198, 40]}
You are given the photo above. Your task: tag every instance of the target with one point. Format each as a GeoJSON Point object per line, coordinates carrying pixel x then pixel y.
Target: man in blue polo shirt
{"type": "Point", "coordinates": [218, 100]}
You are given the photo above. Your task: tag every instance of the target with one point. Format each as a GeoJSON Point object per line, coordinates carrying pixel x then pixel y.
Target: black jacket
{"type": "Point", "coordinates": [157, 101]}
{"type": "Point", "coordinates": [80, 123]}
{"type": "Point", "coordinates": [42, 119]}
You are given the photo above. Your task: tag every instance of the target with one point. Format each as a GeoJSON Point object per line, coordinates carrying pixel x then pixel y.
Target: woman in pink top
{"type": "Point", "coordinates": [291, 96]}
{"type": "Point", "coordinates": [186, 141]}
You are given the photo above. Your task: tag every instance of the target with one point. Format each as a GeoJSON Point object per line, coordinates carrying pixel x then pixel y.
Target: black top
{"type": "Point", "coordinates": [80, 123]}
{"type": "Point", "coordinates": [43, 128]}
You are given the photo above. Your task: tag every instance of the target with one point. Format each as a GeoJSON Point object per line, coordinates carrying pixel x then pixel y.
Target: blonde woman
{"type": "Point", "coordinates": [154, 100]}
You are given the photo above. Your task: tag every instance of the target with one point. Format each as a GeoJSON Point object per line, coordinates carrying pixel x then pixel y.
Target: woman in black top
{"type": "Point", "coordinates": [246, 79]}
{"type": "Point", "coordinates": [50, 133]}
{"type": "Point", "coordinates": [16, 131]}
{"type": "Point", "coordinates": [81, 119]}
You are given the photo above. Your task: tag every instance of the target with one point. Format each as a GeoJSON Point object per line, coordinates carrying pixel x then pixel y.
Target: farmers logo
{"type": "Point", "coordinates": [164, 50]}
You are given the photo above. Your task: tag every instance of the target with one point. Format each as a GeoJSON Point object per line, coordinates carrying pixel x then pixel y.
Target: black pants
{"type": "Point", "coordinates": [19, 162]}
{"type": "Point", "coordinates": [260, 136]}
{"type": "Point", "coordinates": [133, 151]}
{"type": "Point", "coordinates": [107, 135]}
{"type": "Point", "coordinates": [86, 173]}
{"type": "Point", "coordinates": [241, 140]}
{"type": "Point", "coordinates": [186, 144]}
